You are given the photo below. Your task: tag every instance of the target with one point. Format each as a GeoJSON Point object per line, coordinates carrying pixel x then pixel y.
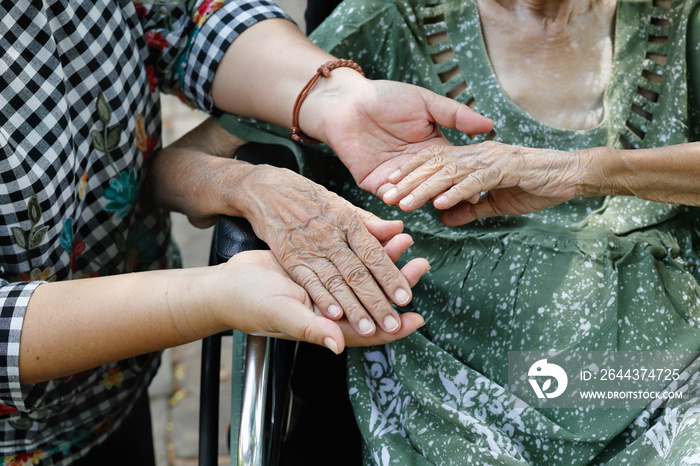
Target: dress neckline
{"type": "Point", "coordinates": [630, 98]}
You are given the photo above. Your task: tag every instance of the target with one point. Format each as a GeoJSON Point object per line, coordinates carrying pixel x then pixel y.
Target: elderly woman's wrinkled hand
{"type": "Point", "coordinates": [335, 250]}
{"type": "Point", "coordinates": [488, 179]}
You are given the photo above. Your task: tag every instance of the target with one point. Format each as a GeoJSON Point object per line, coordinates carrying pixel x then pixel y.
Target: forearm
{"type": "Point", "coordinates": [194, 174]}
{"type": "Point", "coordinates": [75, 325]}
{"type": "Point", "coordinates": [665, 174]}
{"type": "Point", "coordinates": [263, 71]}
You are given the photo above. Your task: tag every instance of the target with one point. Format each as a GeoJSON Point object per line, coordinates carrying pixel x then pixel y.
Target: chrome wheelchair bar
{"type": "Point", "coordinates": [250, 436]}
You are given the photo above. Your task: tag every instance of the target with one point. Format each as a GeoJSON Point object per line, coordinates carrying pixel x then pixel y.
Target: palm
{"type": "Point", "coordinates": [374, 133]}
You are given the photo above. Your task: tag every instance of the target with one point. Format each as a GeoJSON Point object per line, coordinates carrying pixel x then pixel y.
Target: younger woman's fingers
{"type": "Point", "coordinates": [381, 229]}
{"type": "Point", "coordinates": [397, 245]}
{"type": "Point", "coordinates": [415, 269]}
{"type": "Point", "coordinates": [300, 323]}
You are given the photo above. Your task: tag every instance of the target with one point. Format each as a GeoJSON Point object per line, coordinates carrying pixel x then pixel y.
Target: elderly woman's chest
{"type": "Point", "coordinates": [555, 66]}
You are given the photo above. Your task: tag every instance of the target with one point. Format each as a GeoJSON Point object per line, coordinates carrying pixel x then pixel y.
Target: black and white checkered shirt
{"type": "Point", "coordinates": [79, 118]}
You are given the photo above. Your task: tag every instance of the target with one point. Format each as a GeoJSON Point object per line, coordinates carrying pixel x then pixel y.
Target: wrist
{"type": "Point", "coordinates": [244, 197]}
{"type": "Point", "coordinates": [191, 297]}
{"type": "Point", "coordinates": [601, 167]}
{"type": "Point", "coordinates": [324, 98]}
{"type": "Point", "coordinates": [238, 185]}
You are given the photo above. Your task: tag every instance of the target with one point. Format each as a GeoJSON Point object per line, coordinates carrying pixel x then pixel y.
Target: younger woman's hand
{"type": "Point", "coordinates": [488, 179]}
{"type": "Point", "coordinates": [264, 300]}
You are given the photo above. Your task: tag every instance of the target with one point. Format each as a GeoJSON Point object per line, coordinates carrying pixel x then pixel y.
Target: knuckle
{"type": "Point", "coordinates": [343, 217]}
{"type": "Point", "coordinates": [358, 275]}
{"type": "Point", "coordinates": [298, 272]}
{"type": "Point", "coordinates": [430, 152]}
{"type": "Point", "coordinates": [450, 171]}
{"type": "Point", "coordinates": [436, 161]}
{"type": "Point", "coordinates": [335, 283]}
{"type": "Point", "coordinates": [286, 255]}
{"type": "Point", "coordinates": [423, 189]}
{"type": "Point", "coordinates": [491, 145]}
{"type": "Point", "coordinates": [499, 172]}
{"type": "Point", "coordinates": [355, 314]}
{"type": "Point", "coordinates": [461, 189]}
{"type": "Point", "coordinates": [304, 278]}
{"type": "Point", "coordinates": [478, 176]}
{"type": "Point", "coordinates": [309, 334]}
{"type": "Point", "coordinates": [307, 282]}
{"type": "Point", "coordinates": [378, 306]}
{"type": "Point", "coordinates": [373, 257]}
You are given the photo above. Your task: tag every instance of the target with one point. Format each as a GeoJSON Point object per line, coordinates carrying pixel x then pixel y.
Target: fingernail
{"type": "Point", "coordinates": [391, 193]}
{"type": "Point", "coordinates": [394, 175]}
{"type": "Point", "coordinates": [329, 343]}
{"type": "Point", "coordinates": [390, 323]}
{"type": "Point", "coordinates": [407, 201]}
{"type": "Point", "coordinates": [365, 326]}
{"type": "Point", "coordinates": [441, 199]}
{"type": "Point", "coordinates": [401, 297]}
{"type": "Point", "coordinates": [334, 310]}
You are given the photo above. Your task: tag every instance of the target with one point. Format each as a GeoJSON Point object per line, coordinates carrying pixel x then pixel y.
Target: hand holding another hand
{"type": "Point", "coordinates": [374, 126]}
{"type": "Point", "coordinates": [339, 253]}
{"type": "Point", "coordinates": [258, 297]}
{"type": "Point", "coordinates": [489, 179]}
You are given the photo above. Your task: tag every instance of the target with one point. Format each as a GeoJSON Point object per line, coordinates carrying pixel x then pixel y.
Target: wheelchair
{"type": "Point", "coordinates": [289, 400]}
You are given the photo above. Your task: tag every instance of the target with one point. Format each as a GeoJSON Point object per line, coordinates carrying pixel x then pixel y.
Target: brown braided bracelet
{"type": "Point", "coordinates": [323, 71]}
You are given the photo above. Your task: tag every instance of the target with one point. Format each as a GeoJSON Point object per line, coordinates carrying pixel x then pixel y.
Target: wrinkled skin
{"type": "Point", "coordinates": [489, 179]}
{"type": "Point", "coordinates": [327, 245]}
{"type": "Point", "coordinates": [284, 310]}
{"type": "Point", "coordinates": [333, 249]}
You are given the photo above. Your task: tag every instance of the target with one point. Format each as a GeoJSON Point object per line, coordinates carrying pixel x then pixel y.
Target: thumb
{"type": "Point", "coordinates": [299, 323]}
{"type": "Point", "coordinates": [381, 229]}
{"type": "Point", "coordinates": [451, 114]}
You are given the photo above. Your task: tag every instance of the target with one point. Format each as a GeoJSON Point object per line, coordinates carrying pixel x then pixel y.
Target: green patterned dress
{"type": "Point", "coordinates": [592, 274]}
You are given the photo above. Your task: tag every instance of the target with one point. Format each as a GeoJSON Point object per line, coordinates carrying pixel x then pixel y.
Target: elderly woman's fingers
{"type": "Point", "coordinates": [417, 174]}
{"type": "Point", "coordinates": [346, 277]}
{"type": "Point", "coordinates": [472, 187]}
{"type": "Point", "coordinates": [466, 212]}
{"type": "Point", "coordinates": [375, 256]}
{"type": "Point", "coordinates": [414, 162]}
{"type": "Point", "coordinates": [414, 269]}
{"type": "Point", "coordinates": [430, 188]}
{"type": "Point", "coordinates": [313, 285]}
{"type": "Point", "coordinates": [327, 283]}
{"type": "Point", "coordinates": [358, 292]}
{"type": "Point", "coordinates": [502, 201]}
{"type": "Point", "coordinates": [397, 246]}
{"type": "Point", "coordinates": [410, 322]}
{"type": "Point", "coordinates": [383, 230]}
{"type": "Point", "coordinates": [357, 273]}
{"type": "Point", "coordinates": [382, 268]}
